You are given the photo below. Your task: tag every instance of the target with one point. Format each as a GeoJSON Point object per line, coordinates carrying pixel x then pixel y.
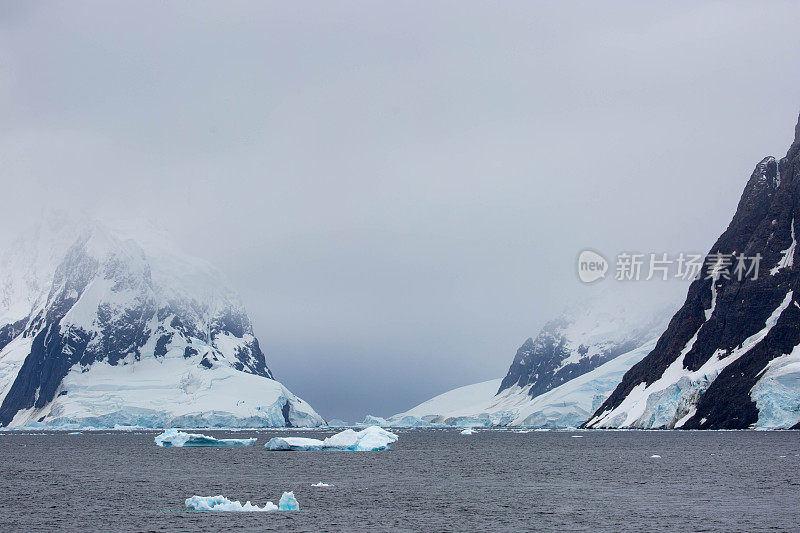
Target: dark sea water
{"type": "Point", "coordinates": [430, 481]}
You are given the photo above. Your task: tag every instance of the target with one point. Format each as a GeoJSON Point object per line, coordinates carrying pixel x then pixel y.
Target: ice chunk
{"type": "Point", "coordinates": [172, 438]}
{"type": "Point", "coordinates": [320, 484]}
{"type": "Point", "coordinates": [74, 433]}
{"type": "Point", "coordinates": [293, 443]}
{"type": "Point", "coordinates": [369, 439]}
{"type": "Point", "coordinates": [288, 502]}
{"type": "Point", "coordinates": [655, 456]}
{"type": "Point", "coordinates": [221, 503]}
{"type": "Point", "coordinates": [468, 431]}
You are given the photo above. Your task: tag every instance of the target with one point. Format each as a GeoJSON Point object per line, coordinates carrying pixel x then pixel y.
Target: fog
{"type": "Point", "coordinates": [399, 191]}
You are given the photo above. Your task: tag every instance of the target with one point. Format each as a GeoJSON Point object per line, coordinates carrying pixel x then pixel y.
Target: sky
{"type": "Point", "coordinates": [398, 190]}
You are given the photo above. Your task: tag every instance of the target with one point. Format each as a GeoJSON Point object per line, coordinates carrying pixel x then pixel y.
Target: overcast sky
{"type": "Point", "coordinates": [399, 190]}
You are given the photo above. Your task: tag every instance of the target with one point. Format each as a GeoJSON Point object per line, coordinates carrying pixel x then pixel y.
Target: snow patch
{"type": "Point", "coordinates": [787, 259]}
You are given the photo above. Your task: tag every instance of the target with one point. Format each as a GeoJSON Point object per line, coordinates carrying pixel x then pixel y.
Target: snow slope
{"type": "Point", "coordinates": [562, 376]}
{"type": "Point", "coordinates": [590, 333]}
{"type": "Point", "coordinates": [567, 405]}
{"type": "Point", "coordinates": [469, 399]}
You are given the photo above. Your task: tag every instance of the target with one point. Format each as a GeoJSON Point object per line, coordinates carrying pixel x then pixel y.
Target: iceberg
{"type": "Point", "coordinates": [373, 438]}
{"type": "Point", "coordinates": [320, 484]}
{"type": "Point", "coordinates": [172, 438]}
{"type": "Point", "coordinates": [468, 431]}
{"type": "Point", "coordinates": [279, 444]}
{"type": "Point", "coordinates": [288, 502]}
{"type": "Point", "coordinates": [221, 503]}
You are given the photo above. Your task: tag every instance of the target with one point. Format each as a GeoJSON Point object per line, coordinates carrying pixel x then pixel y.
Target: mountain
{"type": "Point", "coordinates": [584, 337]}
{"type": "Point", "coordinates": [101, 327]}
{"type": "Point", "coordinates": [729, 358]}
{"type": "Point", "coordinates": [562, 376]}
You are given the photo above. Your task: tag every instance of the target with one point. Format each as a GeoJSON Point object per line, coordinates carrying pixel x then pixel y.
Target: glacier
{"type": "Point", "coordinates": [223, 504]}
{"type": "Point", "coordinates": [373, 438]}
{"type": "Point", "coordinates": [777, 392]}
{"type": "Point", "coordinates": [670, 401]}
{"type": "Point", "coordinates": [172, 438]}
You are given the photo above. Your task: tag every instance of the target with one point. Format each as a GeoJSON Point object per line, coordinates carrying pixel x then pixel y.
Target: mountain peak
{"type": "Point", "coordinates": [112, 330]}
{"type": "Point", "coordinates": [726, 356]}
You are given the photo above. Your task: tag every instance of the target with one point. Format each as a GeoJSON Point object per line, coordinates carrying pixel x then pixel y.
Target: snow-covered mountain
{"type": "Point", "coordinates": [98, 328]}
{"type": "Point", "coordinates": [730, 358]}
{"type": "Point", "coordinates": [584, 337]}
{"type": "Point", "coordinates": [561, 377]}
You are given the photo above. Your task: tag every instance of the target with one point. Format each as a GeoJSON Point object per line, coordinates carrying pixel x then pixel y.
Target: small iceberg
{"type": "Point", "coordinates": [74, 433]}
{"type": "Point", "coordinates": [288, 502]}
{"type": "Point", "coordinates": [654, 456]}
{"type": "Point", "coordinates": [373, 438]}
{"type": "Point", "coordinates": [172, 438]}
{"type": "Point", "coordinates": [221, 503]}
{"type": "Point", "coordinates": [468, 431]}
{"type": "Point", "coordinates": [320, 484]}
{"type": "Point", "coordinates": [301, 444]}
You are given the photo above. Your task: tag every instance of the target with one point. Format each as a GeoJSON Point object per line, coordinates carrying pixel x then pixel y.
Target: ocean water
{"type": "Point", "coordinates": [431, 480]}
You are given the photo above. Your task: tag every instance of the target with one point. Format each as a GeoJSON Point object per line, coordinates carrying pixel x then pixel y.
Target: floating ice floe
{"type": "Point", "coordinates": [373, 438]}
{"type": "Point", "coordinates": [320, 484]}
{"type": "Point", "coordinates": [172, 438]}
{"type": "Point", "coordinates": [654, 456]}
{"type": "Point", "coordinates": [468, 431]}
{"type": "Point", "coordinates": [74, 433]}
{"type": "Point", "coordinates": [221, 503]}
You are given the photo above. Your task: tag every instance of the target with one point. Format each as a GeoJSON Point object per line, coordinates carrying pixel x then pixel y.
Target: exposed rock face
{"type": "Point", "coordinates": [164, 326]}
{"type": "Point", "coordinates": [727, 354]}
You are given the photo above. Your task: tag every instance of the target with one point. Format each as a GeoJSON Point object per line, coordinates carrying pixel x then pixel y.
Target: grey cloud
{"type": "Point", "coordinates": [398, 190]}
